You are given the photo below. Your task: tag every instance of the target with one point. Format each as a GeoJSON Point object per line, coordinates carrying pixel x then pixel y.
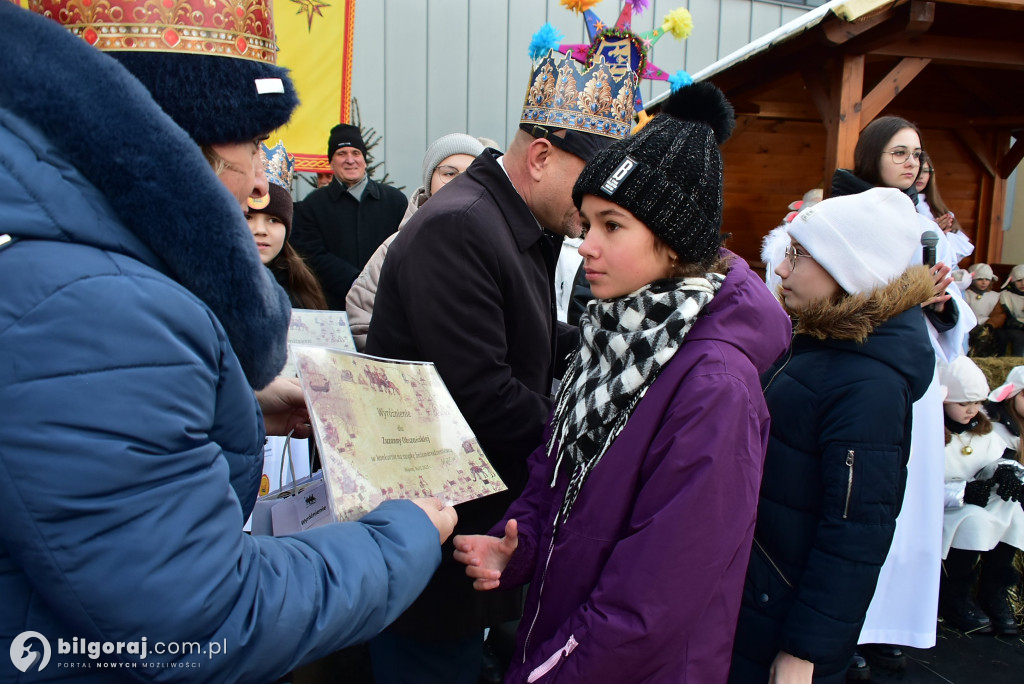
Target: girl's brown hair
{"type": "Point", "coordinates": [931, 191]}
{"type": "Point", "coordinates": [867, 156]}
{"type": "Point", "coordinates": [297, 279]}
{"type": "Point", "coordinates": [983, 427]}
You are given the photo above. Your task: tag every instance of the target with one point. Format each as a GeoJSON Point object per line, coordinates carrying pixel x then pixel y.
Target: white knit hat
{"type": "Point", "coordinates": [444, 147]}
{"type": "Point", "coordinates": [864, 241]}
{"type": "Point", "coordinates": [1011, 388]}
{"type": "Point", "coordinates": [981, 271]}
{"type": "Point", "coordinates": [963, 381]}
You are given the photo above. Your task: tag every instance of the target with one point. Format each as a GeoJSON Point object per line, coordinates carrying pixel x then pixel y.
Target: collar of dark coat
{"type": "Point", "coordinates": [845, 183]}
{"type": "Point", "coordinates": [336, 190]}
{"type": "Point", "coordinates": [153, 176]}
{"type": "Point", "coordinates": [854, 317]}
{"type": "Point", "coordinates": [486, 171]}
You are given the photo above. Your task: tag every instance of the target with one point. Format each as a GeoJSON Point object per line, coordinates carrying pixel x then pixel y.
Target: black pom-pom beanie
{"type": "Point", "coordinates": [669, 175]}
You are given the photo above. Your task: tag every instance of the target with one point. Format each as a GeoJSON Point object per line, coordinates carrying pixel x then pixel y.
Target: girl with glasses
{"type": "Point", "coordinates": [888, 155]}
{"type": "Point", "coordinates": [841, 405]}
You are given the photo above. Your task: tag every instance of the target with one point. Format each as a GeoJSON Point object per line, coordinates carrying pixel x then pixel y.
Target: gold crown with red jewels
{"type": "Point", "coordinates": [230, 28]}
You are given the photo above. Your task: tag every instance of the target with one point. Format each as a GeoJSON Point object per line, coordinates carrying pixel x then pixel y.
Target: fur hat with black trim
{"type": "Point", "coordinates": [669, 175]}
{"type": "Point", "coordinates": [212, 68]}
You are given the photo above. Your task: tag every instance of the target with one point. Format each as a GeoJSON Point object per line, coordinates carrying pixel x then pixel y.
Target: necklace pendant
{"type": "Point", "coordinates": [967, 450]}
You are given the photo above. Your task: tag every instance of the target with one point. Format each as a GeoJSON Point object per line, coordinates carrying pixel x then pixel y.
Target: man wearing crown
{"type": "Point", "coordinates": [136, 322]}
{"type": "Point", "coordinates": [468, 285]}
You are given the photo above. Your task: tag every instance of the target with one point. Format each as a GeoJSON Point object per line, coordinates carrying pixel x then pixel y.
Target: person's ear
{"type": "Point", "coordinates": [538, 158]}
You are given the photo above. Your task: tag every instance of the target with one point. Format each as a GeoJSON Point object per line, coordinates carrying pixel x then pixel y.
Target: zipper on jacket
{"type": "Point", "coordinates": [789, 357]}
{"type": "Point", "coordinates": [849, 482]}
{"type": "Point", "coordinates": [771, 562]}
{"type": "Point", "coordinates": [540, 594]}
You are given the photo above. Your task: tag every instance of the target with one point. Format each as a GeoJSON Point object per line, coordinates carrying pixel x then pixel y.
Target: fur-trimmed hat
{"type": "Point", "coordinates": [864, 241]}
{"type": "Point", "coordinates": [444, 147]}
{"type": "Point", "coordinates": [345, 135]}
{"type": "Point", "coordinates": [669, 175]}
{"type": "Point", "coordinates": [218, 80]}
{"type": "Point", "coordinates": [963, 381]}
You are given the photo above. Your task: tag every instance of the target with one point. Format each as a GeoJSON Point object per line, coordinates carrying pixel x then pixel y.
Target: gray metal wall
{"type": "Point", "coordinates": [425, 68]}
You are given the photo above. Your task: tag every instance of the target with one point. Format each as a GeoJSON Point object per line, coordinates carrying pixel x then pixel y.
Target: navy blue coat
{"type": "Point", "coordinates": [833, 482]}
{"type": "Point", "coordinates": [133, 308]}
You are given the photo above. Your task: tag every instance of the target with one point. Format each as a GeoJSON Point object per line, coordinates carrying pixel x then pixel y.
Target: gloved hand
{"type": "Point", "coordinates": [1009, 487]}
{"type": "Point", "coordinates": [976, 492]}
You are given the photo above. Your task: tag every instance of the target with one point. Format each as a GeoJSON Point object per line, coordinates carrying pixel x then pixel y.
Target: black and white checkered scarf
{"type": "Point", "coordinates": [625, 342]}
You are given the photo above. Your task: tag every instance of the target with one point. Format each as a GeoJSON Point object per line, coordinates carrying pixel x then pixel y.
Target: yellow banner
{"type": "Point", "coordinates": [315, 42]}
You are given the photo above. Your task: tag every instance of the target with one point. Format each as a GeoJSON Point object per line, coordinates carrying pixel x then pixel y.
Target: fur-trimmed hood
{"type": "Point", "coordinates": [854, 317]}
{"type": "Point", "coordinates": [888, 325]}
{"type": "Point", "coordinates": [101, 147]}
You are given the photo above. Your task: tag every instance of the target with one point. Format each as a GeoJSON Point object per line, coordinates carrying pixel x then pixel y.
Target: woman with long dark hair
{"type": "Point", "coordinates": [902, 613]}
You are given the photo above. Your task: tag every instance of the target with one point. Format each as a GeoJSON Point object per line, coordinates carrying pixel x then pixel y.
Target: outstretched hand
{"type": "Point", "coordinates": [941, 279]}
{"type": "Point", "coordinates": [485, 556]}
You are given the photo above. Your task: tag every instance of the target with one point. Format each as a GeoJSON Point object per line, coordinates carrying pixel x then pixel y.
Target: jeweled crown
{"type": "Point", "coordinates": [566, 94]}
{"type": "Point", "coordinates": [279, 165]}
{"type": "Point", "coordinates": [231, 28]}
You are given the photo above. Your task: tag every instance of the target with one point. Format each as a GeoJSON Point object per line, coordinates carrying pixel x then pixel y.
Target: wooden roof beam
{"type": "Point", "coordinates": [978, 148]}
{"type": "Point", "coordinates": [1011, 159]}
{"type": "Point", "coordinates": [950, 50]}
{"type": "Point", "coordinates": [890, 86]}
{"type": "Point", "coordinates": [838, 31]}
{"type": "Point", "coordinates": [918, 20]}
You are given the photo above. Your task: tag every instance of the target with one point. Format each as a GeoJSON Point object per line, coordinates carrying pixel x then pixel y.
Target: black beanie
{"type": "Point", "coordinates": [669, 175]}
{"type": "Point", "coordinates": [277, 202]}
{"type": "Point", "coordinates": [345, 135]}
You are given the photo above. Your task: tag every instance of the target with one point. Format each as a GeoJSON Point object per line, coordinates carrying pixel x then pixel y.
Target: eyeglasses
{"type": "Point", "coordinates": [900, 155]}
{"type": "Point", "coordinates": [447, 173]}
{"type": "Point", "coordinates": [792, 254]}
{"type": "Point", "coordinates": [926, 170]}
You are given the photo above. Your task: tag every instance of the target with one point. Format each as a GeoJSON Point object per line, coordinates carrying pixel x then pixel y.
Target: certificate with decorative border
{"type": "Point", "coordinates": [388, 430]}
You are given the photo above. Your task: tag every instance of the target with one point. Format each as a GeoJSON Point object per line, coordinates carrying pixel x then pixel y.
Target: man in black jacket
{"type": "Point", "coordinates": [338, 227]}
{"type": "Point", "coordinates": [468, 285]}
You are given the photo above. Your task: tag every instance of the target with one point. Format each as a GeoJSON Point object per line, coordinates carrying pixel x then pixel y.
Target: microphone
{"type": "Point", "coordinates": [929, 239]}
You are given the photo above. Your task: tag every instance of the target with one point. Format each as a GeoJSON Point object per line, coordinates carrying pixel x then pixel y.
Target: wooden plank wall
{"type": "Point", "coordinates": [771, 163]}
{"type": "Point", "coordinates": [424, 68]}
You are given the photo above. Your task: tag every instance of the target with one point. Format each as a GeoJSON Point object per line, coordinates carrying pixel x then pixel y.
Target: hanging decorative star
{"type": "Point", "coordinates": [309, 8]}
{"type": "Point", "coordinates": [623, 48]}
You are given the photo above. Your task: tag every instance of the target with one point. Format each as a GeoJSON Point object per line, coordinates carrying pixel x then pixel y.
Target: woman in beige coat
{"type": "Point", "coordinates": [446, 158]}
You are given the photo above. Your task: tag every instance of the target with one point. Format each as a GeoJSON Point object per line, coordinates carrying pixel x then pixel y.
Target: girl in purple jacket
{"type": "Point", "coordinates": [635, 527]}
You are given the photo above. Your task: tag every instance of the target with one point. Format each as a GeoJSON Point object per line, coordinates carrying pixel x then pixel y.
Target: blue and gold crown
{"type": "Point", "coordinates": [279, 165]}
{"type": "Point", "coordinates": [565, 94]}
